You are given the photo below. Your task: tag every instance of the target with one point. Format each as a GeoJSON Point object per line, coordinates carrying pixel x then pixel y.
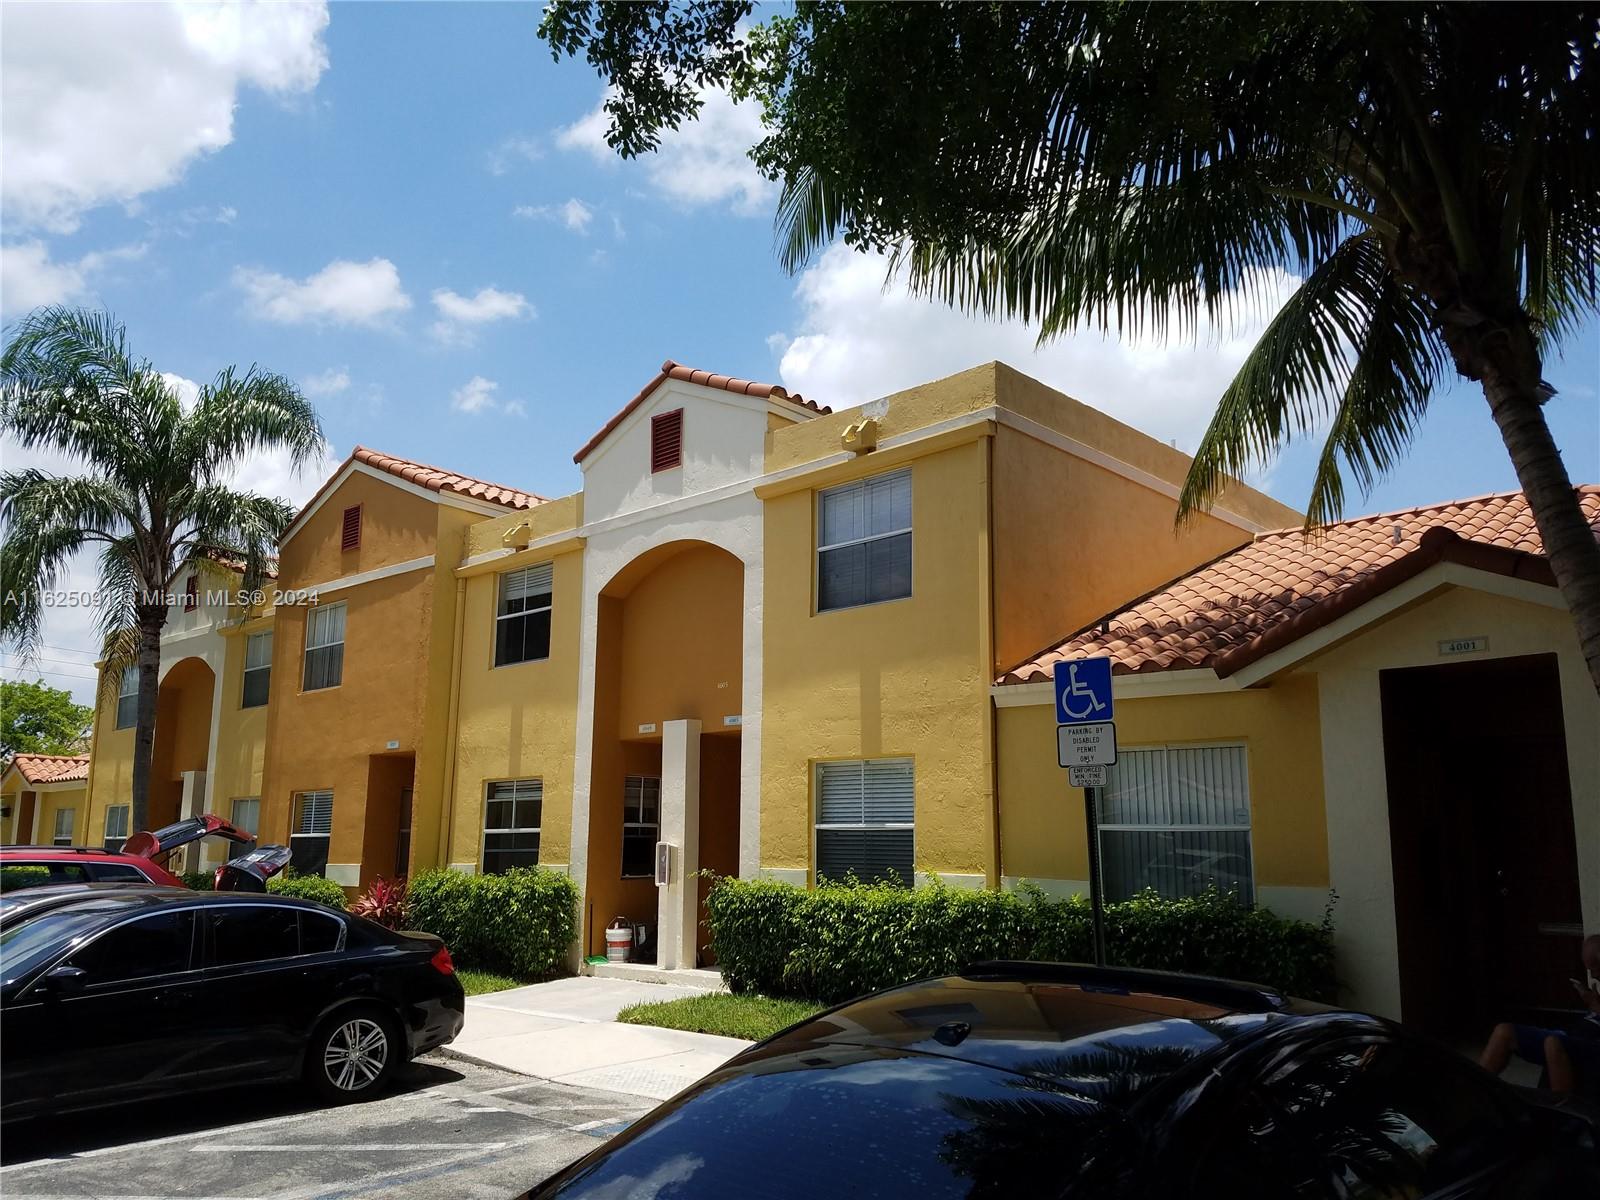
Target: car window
{"type": "Point", "coordinates": [253, 933]}
{"type": "Point", "coordinates": [319, 934]}
{"type": "Point", "coordinates": [17, 875]}
{"type": "Point", "coordinates": [141, 949]}
{"type": "Point", "coordinates": [119, 872]}
{"type": "Point", "coordinates": [1358, 1121]}
{"type": "Point", "coordinates": [25, 945]}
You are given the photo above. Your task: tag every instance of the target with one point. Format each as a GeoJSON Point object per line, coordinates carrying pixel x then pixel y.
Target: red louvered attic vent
{"type": "Point", "coordinates": [351, 537]}
{"type": "Point", "coordinates": [666, 440]}
{"type": "Point", "coordinates": [191, 593]}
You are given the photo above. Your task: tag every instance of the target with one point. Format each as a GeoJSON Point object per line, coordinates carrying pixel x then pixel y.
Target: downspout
{"type": "Point", "coordinates": [452, 723]}
{"type": "Point", "coordinates": [993, 750]}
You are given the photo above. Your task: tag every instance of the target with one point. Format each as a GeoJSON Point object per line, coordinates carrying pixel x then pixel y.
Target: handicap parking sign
{"type": "Point", "coordinates": [1083, 690]}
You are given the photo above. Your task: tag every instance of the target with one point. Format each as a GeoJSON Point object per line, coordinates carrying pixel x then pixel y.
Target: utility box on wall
{"type": "Point", "coordinates": [663, 863]}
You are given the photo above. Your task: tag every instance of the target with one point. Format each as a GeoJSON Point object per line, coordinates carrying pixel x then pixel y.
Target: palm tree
{"type": "Point", "coordinates": [153, 496]}
{"type": "Point", "coordinates": [1431, 170]}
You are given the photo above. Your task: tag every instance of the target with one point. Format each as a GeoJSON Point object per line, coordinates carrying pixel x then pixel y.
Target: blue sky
{"type": "Point", "coordinates": [407, 208]}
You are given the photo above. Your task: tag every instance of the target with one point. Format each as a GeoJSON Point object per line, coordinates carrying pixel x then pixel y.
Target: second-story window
{"type": "Point", "coordinates": [864, 542]}
{"type": "Point", "coordinates": [128, 697]}
{"type": "Point", "coordinates": [257, 669]}
{"type": "Point", "coordinates": [522, 618]}
{"type": "Point", "coordinates": [191, 593]}
{"type": "Point", "coordinates": [324, 647]}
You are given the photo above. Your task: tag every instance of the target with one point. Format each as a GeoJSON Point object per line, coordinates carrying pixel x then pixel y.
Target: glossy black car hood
{"type": "Point", "coordinates": [1106, 1044]}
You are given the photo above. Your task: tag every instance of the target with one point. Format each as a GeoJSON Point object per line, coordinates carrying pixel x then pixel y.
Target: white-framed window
{"type": "Point", "coordinates": [257, 669]}
{"type": "Point", "coordinates": [63, 830]}
{"type": "Point", "coordinates": [512, 815]}
{"type": "Point", "coordinates": [522, 616]}
{"type": "Point", "coordinates": [866, 816]}
{"type": "Point", "coordinates": [641, 825]}
{"type": "Point", "coordinates": [128, 697]}
{"type": "Point", "coordinates": [116, 827]}
{"type": "Point", "coordinates": [246, 816]}
{"type": "Point", "coordinates": [313, 825]}
{"type": "Point", "coordinates": [864, 542]}
{"type": "Point", "coordinates": [324, 647]}
{"type": "Point", "coordinates": [1177, 819]}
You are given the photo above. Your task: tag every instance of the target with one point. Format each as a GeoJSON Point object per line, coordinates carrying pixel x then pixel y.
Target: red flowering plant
{"type": "Point", "coordinates": [384, 902]}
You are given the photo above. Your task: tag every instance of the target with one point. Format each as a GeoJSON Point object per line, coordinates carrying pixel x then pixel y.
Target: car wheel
{"type": "Point", "coordinates": [353, 1054]}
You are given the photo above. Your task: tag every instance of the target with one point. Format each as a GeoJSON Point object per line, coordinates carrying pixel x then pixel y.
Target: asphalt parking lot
{"type": "Point", "coordinates": [448, 1128]}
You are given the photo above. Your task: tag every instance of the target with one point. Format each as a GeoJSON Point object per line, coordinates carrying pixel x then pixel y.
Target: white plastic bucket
{"type": "Point", "coordinates": [619, 940]}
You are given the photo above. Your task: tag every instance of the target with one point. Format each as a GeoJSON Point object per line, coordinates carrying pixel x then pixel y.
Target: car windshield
{"type": "Point", "coordinates": [808, 1123]}
{"type": "Point", "coordinates": [26, 944]}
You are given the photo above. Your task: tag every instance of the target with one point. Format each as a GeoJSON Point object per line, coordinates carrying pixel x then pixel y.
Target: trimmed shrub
{"type": "Point", "coordinates": [517, 923]}
{"type": "Point", "coordinates": [308, 887]}
{"type": "Point", "coordinates": [15, 878]}
{"type": "Point", "coordinates": [840, 940]}
{"type": "Point", "coordinates": [199, 881]}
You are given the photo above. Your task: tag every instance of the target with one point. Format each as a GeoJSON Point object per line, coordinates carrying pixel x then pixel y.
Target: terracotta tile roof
{"type": "Point", "coordinates": [52, 768]}
{"type": "Point", "coordinates": [672, 370]}
{"type": "Point", "coordinates": [1282, 585]}
{"type": "Point", "coordinates": [437, 479]}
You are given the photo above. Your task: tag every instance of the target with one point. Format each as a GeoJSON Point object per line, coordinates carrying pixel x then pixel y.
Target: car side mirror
{"type": "Point", "coordinates": [64, 981]}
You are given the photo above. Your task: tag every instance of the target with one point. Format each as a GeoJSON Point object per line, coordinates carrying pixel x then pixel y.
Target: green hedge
{"type": "Point", "coordinates": [308, 887]}
{"type": "Point", "coordinates": [845, 939]}
{"type": "Point", "coordinates": [517, 923]}
{"type": "Point", "coordinates": [199, 881]}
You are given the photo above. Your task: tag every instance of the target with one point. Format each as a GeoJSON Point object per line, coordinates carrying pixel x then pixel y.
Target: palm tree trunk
{"type": "Point", "coordinates": [152, 617]}
{"type": "Point", "coordinates": [1569, 542]}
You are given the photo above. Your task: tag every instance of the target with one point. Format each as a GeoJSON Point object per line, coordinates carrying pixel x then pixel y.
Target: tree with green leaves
{"type": "Point", "coordinates": [153, 496]}
{"type": "Point", "coordinates": [1431, 171]}
{"type": "Point", "coordinates": [38, 719]}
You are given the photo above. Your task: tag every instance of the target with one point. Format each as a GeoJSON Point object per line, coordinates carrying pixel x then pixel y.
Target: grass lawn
{"type": "Point", "coordinates": [749, 1017]}
{"type": "Point", "coordinates": [479, 982]}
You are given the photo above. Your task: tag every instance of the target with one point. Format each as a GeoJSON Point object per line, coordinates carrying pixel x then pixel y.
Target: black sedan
{"type": "Point", "coordinates": [1033, 1080]}
{"type": "Point", "coordinates": [140, 992]}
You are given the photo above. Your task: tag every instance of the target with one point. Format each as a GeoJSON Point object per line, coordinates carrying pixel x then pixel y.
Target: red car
{"type": "Point", "coordinates": [136, 862]}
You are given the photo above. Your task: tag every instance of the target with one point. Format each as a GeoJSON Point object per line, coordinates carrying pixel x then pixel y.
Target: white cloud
{"type": "Point", "coordinates": [105, 103]}
{"type": "Point", "coordinates": [860, 340]}
{"type": "Point", "coordinates": [326, 383]}
{"type": "Point", "coordinates": [342, 293]}
{"type": "Point", "coordinates": [460, 316]}
{"type": "Point", "coordinates": [706, 162]}
{"type": "Point", "coordinates": [574, 214]}
{"type": "Point", "coordinates": [514, 150]}
{"type": "Point", "coordinates": [480, 395]}
{"type": "Point", "coordinates": [30, 278]}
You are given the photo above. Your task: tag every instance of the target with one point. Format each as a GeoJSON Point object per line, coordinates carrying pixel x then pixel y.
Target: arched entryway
{"type": "Point", "coordinates": [666, 760]}
{"type": "Point", "coordinates": [183, 742]}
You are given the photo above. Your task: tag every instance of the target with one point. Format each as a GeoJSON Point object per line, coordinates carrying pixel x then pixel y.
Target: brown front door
{"type": "Point", "coordinates": [1487, 910]}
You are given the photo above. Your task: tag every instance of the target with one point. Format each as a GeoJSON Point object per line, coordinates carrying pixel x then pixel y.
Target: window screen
{"type": "Point", "coordinates": [522, 618]}
{"type": "Point", "coordinates": [128, 698]}
{"type": "Point", "coordinates": [864, 542]}
{"type": "Point", "coordinates": [313, 824]}
{"type": "Point", "coordinates": [513, 812]}
{"type": "Point", "coordinates": [257, 669]}
{"type": "Point", "coordinates": [865, 817]}
{"type": "Point", "coordinates": [324, 647]}
{"type": "Point", "coordinates": [641, 824]}
{"type": "Point", "coordinates": [1177, 819]}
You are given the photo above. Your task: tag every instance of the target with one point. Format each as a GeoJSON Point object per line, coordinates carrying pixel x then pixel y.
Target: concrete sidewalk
{"type": "Point", "coordinates": [566, 1031]}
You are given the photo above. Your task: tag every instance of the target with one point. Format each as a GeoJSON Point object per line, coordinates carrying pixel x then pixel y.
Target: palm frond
{"type": "Point", "coordinates": [238, 415]}
{"type": "Point", "coordinates": [58, 369]}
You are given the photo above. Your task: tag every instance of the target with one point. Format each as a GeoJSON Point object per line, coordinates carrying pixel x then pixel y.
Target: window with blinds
{"type": "Point", "coordinates": [666, 440]}
{"type": "Point", "coordinates": [128, 697]}
{"type": "Point", "coordinates": [522, 617]}
{"type": "Point", "coordinates": [864, 542]}
{"type": "Point", "coordinates": [641, 825]}
{"type": "Point", "coordinates": [865, 817]}
{"type": "Point", "coordinates": [257, 669]}
{"type": "Point", "coordinates": [116, 827]}
{"type": "Point", "coordinates": [308, 838]}
{"type": "Point", "coordinates": [324, 647]}
{"type": "Point", "coordinates": [63, 832]}
{"type": "Point", "coordinates": [1177, 819]}
{"type": "Point", "coordinates": [513, 813]}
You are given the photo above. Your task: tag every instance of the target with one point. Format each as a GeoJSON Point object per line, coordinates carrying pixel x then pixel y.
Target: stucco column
{"type": "Point", "coordinates": [678, 900]}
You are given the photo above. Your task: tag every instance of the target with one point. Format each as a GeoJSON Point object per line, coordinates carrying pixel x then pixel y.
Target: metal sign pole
{"type": "Point", "coordinates": [1091, 812]}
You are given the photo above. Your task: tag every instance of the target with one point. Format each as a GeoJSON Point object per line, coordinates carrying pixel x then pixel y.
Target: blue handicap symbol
{"type": "Point", "coordinates": [1083, 690]}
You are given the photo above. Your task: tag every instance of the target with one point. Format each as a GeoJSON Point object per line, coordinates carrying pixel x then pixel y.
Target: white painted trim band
{"type": "Point", "coordinates": [1191, 681]}
{"type": "Point", "coordinates": [350, 581]}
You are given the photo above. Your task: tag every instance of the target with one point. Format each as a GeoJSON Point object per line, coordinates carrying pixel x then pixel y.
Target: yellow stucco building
{"type": "Point", "coordinates": [783, 641]}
